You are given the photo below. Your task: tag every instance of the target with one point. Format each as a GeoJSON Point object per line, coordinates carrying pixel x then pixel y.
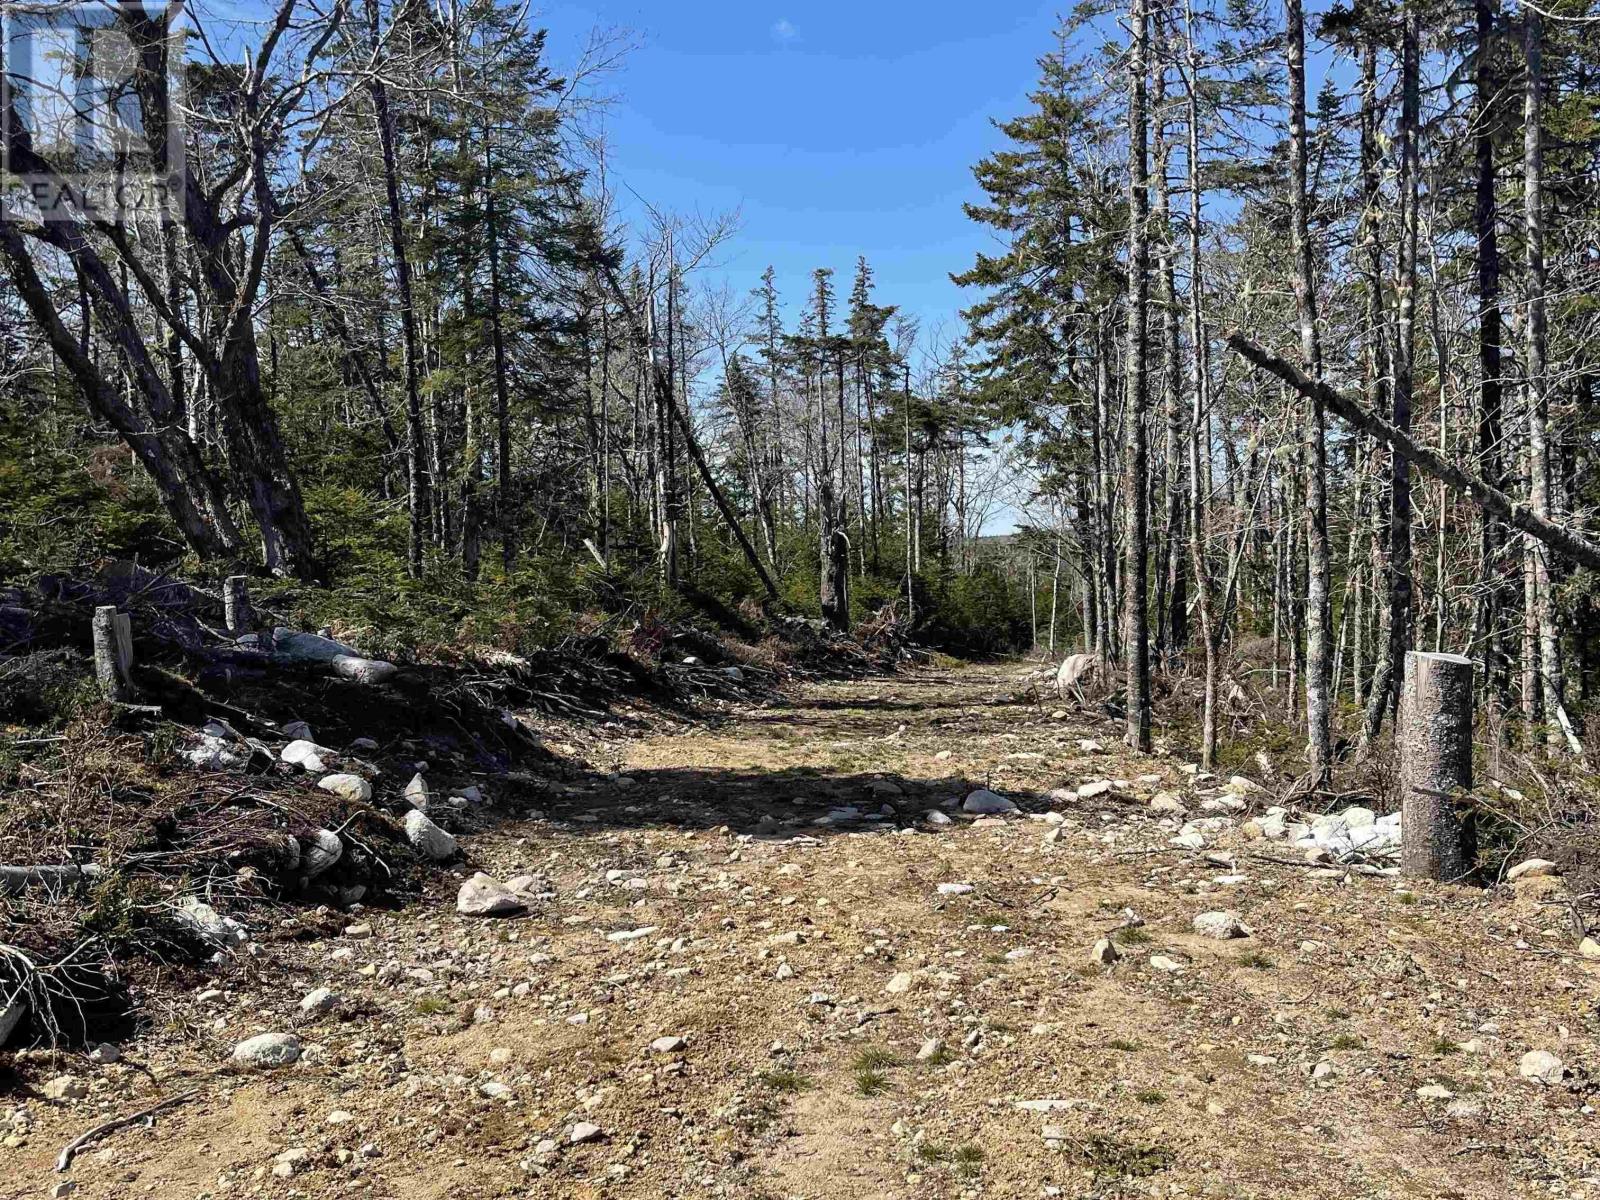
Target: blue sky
{"type": "Point", "coordinates": [835, 129]}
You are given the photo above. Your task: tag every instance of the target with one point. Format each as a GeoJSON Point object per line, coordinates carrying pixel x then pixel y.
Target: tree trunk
{"type": "Point", "coordinates": [1319, 604]}
{"type": "Point", "coordinates": [1135, 616]}
{"type": "Point", "coordinates": [1560, 724]}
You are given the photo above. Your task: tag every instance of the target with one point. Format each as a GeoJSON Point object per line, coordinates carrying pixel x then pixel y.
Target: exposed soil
{"type": "Point", "coordinates": [459, 1046]}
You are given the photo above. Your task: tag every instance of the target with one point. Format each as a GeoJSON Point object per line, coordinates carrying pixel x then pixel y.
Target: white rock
{"type": "Point", "coordinates": [631, 935]}
{"type": "Point", "coordinates": [320, 850]}
{"type": "Point", "coordinates": [308, 756]}
{"type": "Point", "coordinates": [1220, 925]}
{"type": "Point", "coordinates": [899, 983]}
{"type": "Point", "coordinates": [105, 1053]}
{"type": "Point", "coordinates": [426, 838]}
{"type": "Point", "coordinates": [986, 802]}
{"type": "Point", "coordinates": [954, 889]}
{"type": "Point", "coordinates": [935, 817]}
{"type": "Point", "coordinates": [582, 1132]}
{"type": "Point", "coordinates": [485, 896]}
{"type": "Point", "coordinates": [416, 793]}
{"type": "Point", "coordinates": [1542, 1067]}
{"type": "Point", "coordinates": [1098, 787]}
{"type": "Point", "coordinates": [1532, 867]}
{"type": "Point", "coordinates": [268, 1050]}
{"type": "Point", "coordinates": [931, 1048]}
{"type": "Point", "coordinates": [1167, 802]}
{"type": "Point", "coordinates": [208, 924]}
{"type": "Point", "coordinates": [350, 787]}
{"type": "Point", "coordinates": [668, 1045]}
{"type": "Point", "coordinates": [1162, 963]}
{"type": "Point", "coordinates": [1104, 952]}
{"type": "Point", "coordinates": [319, 1001]}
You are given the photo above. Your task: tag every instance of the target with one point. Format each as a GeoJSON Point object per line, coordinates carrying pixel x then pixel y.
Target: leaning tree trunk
{"type": "Point", "coordinates": [1434, 731]}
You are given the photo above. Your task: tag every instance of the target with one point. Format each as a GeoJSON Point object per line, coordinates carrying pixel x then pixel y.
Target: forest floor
{"type": "Point", "coordinates": [847, 1028]}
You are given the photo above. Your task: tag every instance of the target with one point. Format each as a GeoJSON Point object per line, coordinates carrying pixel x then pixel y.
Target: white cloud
{"type": "Point", "coordinates": [784, 31]}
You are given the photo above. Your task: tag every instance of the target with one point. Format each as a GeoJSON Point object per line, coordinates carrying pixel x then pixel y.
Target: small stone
{"type": "Point", "coordinates": [582, 1132]}
{"type": "Point", "coordinates": [1098, 787]}
{"type": "Point", "coordinates": [268, 1050]}
{"type": "Point", "coordinates": [1104, 952]}
{"type": "Point", "coordinates": [308, 756]}
{"type": "Point", "coordinates": [668, 1045]}
{"type": "Point", "coordinates": [1162, 963]}
{"type": "Point", "coordinates": [287, 1163]}
{"type": "Point", "coordinates": [1167, 802]}
{"type": "Point", "coordinates": [1220, 925]}
{"type": "Point", "coordinates": [936, 817]}
{"type": "Point", "coordinates": [105, 1054]}
{"type": "Point", "coordinates": [319, 1001]}
{"type": "Point", "coordinates": [208, 924]}
{"type": "Point", "coordinates": [1542, 1067]}
{"type": "Point", "coordinates": [1589, 948]}
{"type": "Point", "coordinates": [415, 794]}
{"type": "Point", "coordinates": [1434, 1091]}
{"type": "Point", "coordinates": [349, 787]}
{"type": "Point", "coordinates": [899, 983]}
{"type": "Point", "coordinates": [931, 1048]}
{"type": "Point", "coordinates": [485, 896]}
{"type": "Point", "coordinates": [954, 889]}
{"type": "Point", "coordinates": [65, 1087]}
{"type": "Point", "coordinates": [320, 850]}
{"type": "Point", "coordinates": [359, 933]}
{"type": "Point", "coordinates": [631, 935]}
{"type": "Point", "coordinates": [298, 730]}
{"type": "Point", "coordinates": [426, 838]}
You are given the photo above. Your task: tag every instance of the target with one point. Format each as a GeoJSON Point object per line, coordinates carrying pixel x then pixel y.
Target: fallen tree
{"type": "Point", "coordinates": [1562, 538]}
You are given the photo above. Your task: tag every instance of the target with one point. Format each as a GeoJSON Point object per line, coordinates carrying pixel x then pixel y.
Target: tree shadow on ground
{"type": "Point", "coordinates": [777, 804]}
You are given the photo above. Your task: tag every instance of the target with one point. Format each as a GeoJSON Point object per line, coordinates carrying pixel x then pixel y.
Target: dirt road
{"type": "Point", "coordinates": [851, 1028]}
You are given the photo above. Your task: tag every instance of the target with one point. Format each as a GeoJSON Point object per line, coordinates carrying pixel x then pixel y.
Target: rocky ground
{"type": "Point", "coordinates": [775, 958]}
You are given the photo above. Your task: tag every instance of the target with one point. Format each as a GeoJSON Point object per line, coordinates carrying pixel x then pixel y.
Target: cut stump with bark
{"type": "Point", "coordinates": [240, 617]}
{"type": "Point", "coordinates": [113, 653]}
{"type": "Point", "coordinates": [1435, 736]}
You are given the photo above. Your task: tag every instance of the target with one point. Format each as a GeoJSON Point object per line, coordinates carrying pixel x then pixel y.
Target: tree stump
{"type": "Point", "coordinates": [113, 653]}
{"type": "Point", "coordinates": [240, 617]}
{"type": "Point", "coordinates": [1435, 739]}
